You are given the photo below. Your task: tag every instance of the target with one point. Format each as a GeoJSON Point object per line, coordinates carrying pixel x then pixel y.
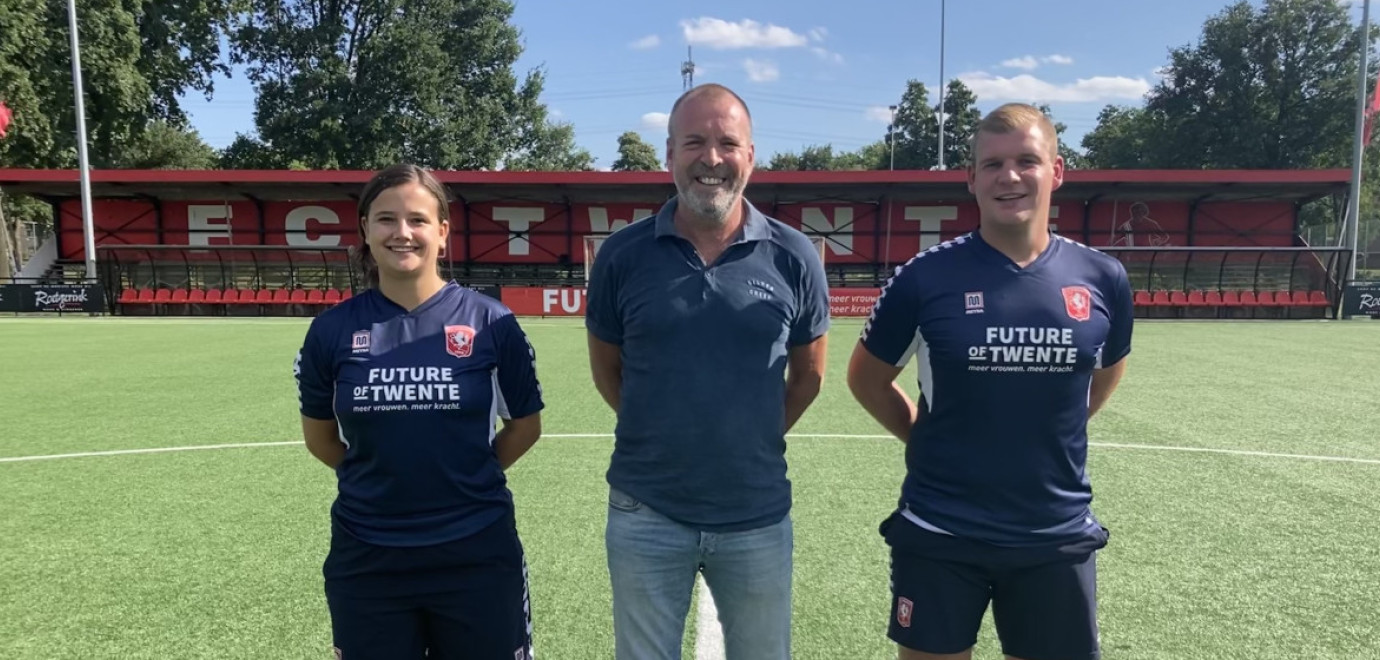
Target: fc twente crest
{"type": "Point", "coordinates": [459, 340]}
{"type": "Point", "coordinates": [1078, 302]}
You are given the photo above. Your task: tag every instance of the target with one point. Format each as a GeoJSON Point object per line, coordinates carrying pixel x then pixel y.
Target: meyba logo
{"type": "Point", "coordinates": [972, 302]}
{"type": "Point", "coordinates": [359, 342]}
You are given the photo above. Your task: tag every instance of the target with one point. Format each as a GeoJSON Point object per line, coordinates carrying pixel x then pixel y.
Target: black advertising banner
{"type": "Point", "coordinates": [51, 298]}
{"type": "Point", "coordinates": [1361, 299]}
{"type": "Point", "coordinates": [490, 290]}
{"type": "Point", "coordinates": [10, 294]}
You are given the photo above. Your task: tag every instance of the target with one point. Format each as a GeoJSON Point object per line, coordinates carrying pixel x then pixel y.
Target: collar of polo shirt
{"type": "Point", "coordinates": [754, 228]}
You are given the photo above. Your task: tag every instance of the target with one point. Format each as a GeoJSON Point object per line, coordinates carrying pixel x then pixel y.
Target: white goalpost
{"type": "Point", "coordinates": [591, 247]}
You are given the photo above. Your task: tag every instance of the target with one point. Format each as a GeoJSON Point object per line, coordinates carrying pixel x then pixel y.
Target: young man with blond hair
{"type": "Point", "coordinates": [1021, 336]}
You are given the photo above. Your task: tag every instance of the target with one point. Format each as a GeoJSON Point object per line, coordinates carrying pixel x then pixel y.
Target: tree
{"type": "Point", "coordinates": [362, 84]}
{"type": "Point", "coordinates": [961, 118]}
{"type": "Point", "coordinates": [550, 148]}
{"type": "Point", "coordinates": [1270, 87]}
{"type": "Point", "coordinates": [814, 158]}
{"type": "Point", "coordinates": [914, 130]}
{"type": "Point", "coordinates": [1073, 160]}
{"type": "Point", "coordinates": [635, 155]}
{"type": "Point", "coordinates": [166, 146]}
{"type": "Point", "coordinates": [138, 58]}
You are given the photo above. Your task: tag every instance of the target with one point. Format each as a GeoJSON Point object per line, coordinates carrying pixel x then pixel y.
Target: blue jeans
{"type": "Point", "coordinates": [653, 561]}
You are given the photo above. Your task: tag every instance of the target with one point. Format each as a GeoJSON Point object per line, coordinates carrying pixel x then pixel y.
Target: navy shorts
{"type": "Point", "coordinates": [1044, 599]}
{"type": "Point", "coordinates": [463, 599]}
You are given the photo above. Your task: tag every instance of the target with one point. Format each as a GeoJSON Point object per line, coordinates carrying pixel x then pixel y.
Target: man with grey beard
{"type": "Point", "coordinates": [707, 338]}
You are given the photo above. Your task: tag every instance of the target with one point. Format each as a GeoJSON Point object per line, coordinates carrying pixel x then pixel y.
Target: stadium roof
{"type": "Point", "coordinates": [473, 186]}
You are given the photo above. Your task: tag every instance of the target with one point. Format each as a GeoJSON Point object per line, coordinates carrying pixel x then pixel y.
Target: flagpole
{"type": "Point", "coordinates": [1353, 212]}
{"type": "Point", "coordinates": [87, 223]}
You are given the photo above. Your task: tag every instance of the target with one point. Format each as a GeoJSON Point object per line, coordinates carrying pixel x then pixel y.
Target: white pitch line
{"type": "Point", "coordinates": [840, 436]}
{"type": "Point", "coordinates": [709, 635]}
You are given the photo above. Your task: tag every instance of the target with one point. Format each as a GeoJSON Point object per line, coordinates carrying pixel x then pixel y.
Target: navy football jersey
{"type": "Point", "coordinates": [1005, 357]}
{"type": "Point", "coordinates": [416, 397]}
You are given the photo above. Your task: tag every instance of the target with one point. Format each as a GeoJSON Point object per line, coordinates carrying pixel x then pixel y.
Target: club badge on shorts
{"type": "Point", "coordinates": [903, 609]}
{"type": "Point", "coordinates": [459, 340]}
{"type": "Point", "coordinates": [1078, 302]}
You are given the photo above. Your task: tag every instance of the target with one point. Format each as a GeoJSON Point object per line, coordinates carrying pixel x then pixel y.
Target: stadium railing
{"type": "Point", "coordinates": [1235, 282]}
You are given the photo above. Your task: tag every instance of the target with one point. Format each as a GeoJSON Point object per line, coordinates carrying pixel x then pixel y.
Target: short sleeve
{"type": "Point", "coordinates": [601, 301]}
{"type": "Point", "coordinates": [891, 330]}
{"type": "Point", "coordinates": [519, 390]}
{"type": "Point", "coordinates": [813, 318]}
{"type": "Point", "coordinates": [1121, 307]}
{"type": "Point", "coordinates": [313, 372]}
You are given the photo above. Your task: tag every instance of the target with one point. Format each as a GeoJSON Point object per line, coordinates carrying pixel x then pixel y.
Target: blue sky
{"type": "Point", "coordinates": [816, 71]}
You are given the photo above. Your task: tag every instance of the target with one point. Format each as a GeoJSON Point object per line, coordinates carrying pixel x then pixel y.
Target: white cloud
{"type": "Point", "coordinates": [719, 34]}
{"type": "Point", "coordinates": [655, 121]}
{"type": "Point", "coordinates": [555, 113]}
{"type": "Point", "coordinates": [1030, 62]}
{"type": "Point", "coordinates": [1026, 63]}
{"type": "Point", "coordinates": [819, 33]}
{"type": "Point", "coordinates": [826, 55]}
{"type": "Point", "coordinates": [1026, 87]}
{"type": "Point", "coordinates": [878, 113]}
{"type": "Point", "coordinates": [646, 43]}
{"type": "Point", "coordinates": [761, 71]}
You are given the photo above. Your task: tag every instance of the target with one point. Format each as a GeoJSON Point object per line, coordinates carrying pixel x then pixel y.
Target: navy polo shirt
{"type": "Point", "coordinates": [701, 427]}
{"type": "Point", "coordinates": [1005, 359]}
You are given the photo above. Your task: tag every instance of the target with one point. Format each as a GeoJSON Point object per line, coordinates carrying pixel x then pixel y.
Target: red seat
{"type": "Point", "coordinates": [1282, 299]}
{"type": "Point", "coordinates": [1197, 299]}
{"type": "Point", "coordinates": [1318, 298]}
{"type": "Point", "coordinates": [1161, 298]}
{"type": "Point", "coordinates": [1265, 299]}
{"type": "Point", "coordinates": [316, 297]}
{"type": "Point", "coordinates": [280, 297]}
{"type": "Point", "coordinates": [129, 296]}
{"type": "Point", "coordinates": [1248, 299]}
{"type": "Point", "coordinates": [297, 296]}
{"type": "Point", "coordinates": [1178, 299]}
{"type": "Point", "coordinates": [1231, 299]}
{"type": "Point", "coordinates": [263, 296]}
{"type": "Point", "coordinates": [332, 297]}
{"type": "Point", "coordinates": [213, 296]}
{"type": "Point", "coordinates": [345, 294]}
{"type": "Point", "coordinates": [1143, 299]}
{"type": "Point", "coordinates": [197, 296]}
{"type": "Point", "coordinates": [145, 295]}
{"type": "Point", "coordinates": [1213, 299]}
{"type": "Point", "coordinates": [246, 297]}
{"type": "Point", "coordinates": [162, 296]}
{"type": "Point", "coordinates": [179, 296]}
{"type": "Point", "coordinates": [1299, 299]}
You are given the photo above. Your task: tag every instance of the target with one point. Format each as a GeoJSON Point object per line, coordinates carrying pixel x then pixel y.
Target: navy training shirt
{"type": "Point", "coordinates": [1005, 358]}
{"type": "Point", "coordinates": [701, 426]}
{"type": "Point", "coordinates": [416, 397]}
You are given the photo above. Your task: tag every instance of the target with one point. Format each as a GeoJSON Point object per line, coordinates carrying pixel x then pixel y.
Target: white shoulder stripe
{"type": "Point", "coordinates": [958, 240]}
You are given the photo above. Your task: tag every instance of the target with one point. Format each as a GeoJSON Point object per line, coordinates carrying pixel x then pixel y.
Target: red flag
{"type": "Point", "coordinates": [5, 116]}
{"type": "Point", "coordinates": [1370, 111]}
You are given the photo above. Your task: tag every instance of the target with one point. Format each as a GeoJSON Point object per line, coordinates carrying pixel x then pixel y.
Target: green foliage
{"type": "Point", "coordinates": [1269, 87]}
{"type": "Point", "coordinates": [137, 58]}
{"type": "Point", "coordinates": [635, 155]}
{"type": "Point", "coordinates": [361, 84]}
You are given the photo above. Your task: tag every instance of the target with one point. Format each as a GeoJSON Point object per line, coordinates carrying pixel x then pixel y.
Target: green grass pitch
{"type": "Point", "coordinates": [217, 553]}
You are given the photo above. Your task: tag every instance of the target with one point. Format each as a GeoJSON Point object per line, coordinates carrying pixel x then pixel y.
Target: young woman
{"type": "Point", "coordinates": [401, 388]}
